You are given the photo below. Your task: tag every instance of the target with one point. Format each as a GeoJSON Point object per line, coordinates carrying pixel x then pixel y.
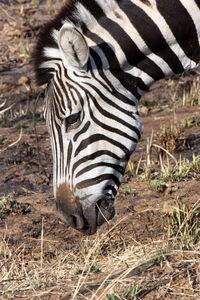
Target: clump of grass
{"type": "Point", "coordinates": [8, 206]}
{"type": "Point", "coordinates": [170, 137]}
{"type": "Point", "coordinates": [184, 224]}
{"type": "Point", "coordinates": [129, 292]}
{"type": "Point", "coordinates": [94, 268]}
{"type": "Point", "coordinates": [173, 137]}
{"type": "Point", "coordinates": [170, 169]}
{"type": "Point", "coordinates": [182, 170]}
{"type": "Point", "coordinates": [177, 173]}
{"type": "Point", "coordinates": [190, 122]}
{"type": "Point", "coordinates": [185, 92]}
{"type": "Point", "coordinates": [192, 97]}
{"type": "Point", "coordinates": [196, 162]}
{"type": "Point", "coordinates": [159, 186]}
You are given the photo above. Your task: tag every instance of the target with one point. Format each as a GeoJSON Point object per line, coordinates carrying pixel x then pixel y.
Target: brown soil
{"type": "Point", "coordinates": [29, 182]}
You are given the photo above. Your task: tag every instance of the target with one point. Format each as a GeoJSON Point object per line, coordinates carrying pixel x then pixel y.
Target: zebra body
{"type": "Point", "coordinates": [98, 57]}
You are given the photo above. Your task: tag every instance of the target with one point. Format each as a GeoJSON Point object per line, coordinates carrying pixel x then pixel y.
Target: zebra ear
{"type": "Point", "coordinates": [73, 47]}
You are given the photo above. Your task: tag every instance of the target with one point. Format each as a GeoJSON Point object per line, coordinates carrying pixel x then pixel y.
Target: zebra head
{"type": "Point", "coordinates": [97, 58]}
{"type": "Point", "coordinates": [94, 127]}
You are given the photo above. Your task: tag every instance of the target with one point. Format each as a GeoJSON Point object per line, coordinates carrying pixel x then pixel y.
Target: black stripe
{"type": "Point", "coordinates": [182, 26]}
{"type": "Point", "coordinates": [89, 182]}
{"type": "Point", "coordinates": [57, 133]}
{"type": "Point", "coordinates": [53, 135]}
{"type": "Point", "coordinates": [69, 155]}
{"type": "Point", "coordinates": [72, 95]}
{"type": "Point", "coordinates": [152, 36]}
{"type": "Point", "coordinates": [197, 3]}
{"type": "Point", "coordinates": [60, 78]}
{"type": "Point", "coordinates": [92, 157]}
{"type": "Point", "coordinates": [99, 137]}
{"type": "Point", "coordinates": [113, 117]}
{"type": "Point", "coordinates": [133, 55]}
{"type": "Point", "coordinates": [81, 76]}
{"type": "Point", "coordinates": [55, 110]}
{"type": "Point", "coordinates": [56, 103]}
{"type": "Point", "coordinates": [133, 82]}
{"type": "Point", "coordinates": [83, 130]}
{"type": "Point", "coordinates": [118, 168]}
{"type": "Point", "coordinates": [109, 128]}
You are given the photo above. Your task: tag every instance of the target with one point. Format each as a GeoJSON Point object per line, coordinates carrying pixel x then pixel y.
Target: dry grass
{"type": "Point", "coordinates": [192, 97]}
{"type": "Point", "coordinates": [105, 266]}
{"type": "Point", "coordinates": [101, 269]}
{"type": "Point", "coordinates": [171, 137]}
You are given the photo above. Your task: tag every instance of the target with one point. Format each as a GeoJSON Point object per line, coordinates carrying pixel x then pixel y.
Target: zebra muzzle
{"type": "Point", "coordinates": [83, 215]}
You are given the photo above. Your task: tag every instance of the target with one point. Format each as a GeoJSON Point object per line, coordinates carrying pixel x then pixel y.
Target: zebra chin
{"type": "Point", "coordinates": [84, 215]}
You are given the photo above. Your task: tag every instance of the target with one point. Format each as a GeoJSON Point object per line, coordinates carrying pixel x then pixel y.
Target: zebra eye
{"type": "Point", "coordinates": [72, 122]}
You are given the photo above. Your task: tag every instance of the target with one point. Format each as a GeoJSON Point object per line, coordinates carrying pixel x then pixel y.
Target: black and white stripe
{"type": "Point", "coordinates": [130, 44]}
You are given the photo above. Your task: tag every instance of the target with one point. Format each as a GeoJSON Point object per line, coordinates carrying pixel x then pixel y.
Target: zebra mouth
{"type": "Point", "coordinates": [88, 221]}
{"type": "Point", "coordinates": [105, 210]}
{"type": "Point", "coordinates": [84, 215]}
{"type": "Point", "coordinates": [97, 214]}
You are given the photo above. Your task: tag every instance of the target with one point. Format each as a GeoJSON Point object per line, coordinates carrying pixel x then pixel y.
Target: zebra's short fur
{"type": "Point", "coordinates": [97, 58]}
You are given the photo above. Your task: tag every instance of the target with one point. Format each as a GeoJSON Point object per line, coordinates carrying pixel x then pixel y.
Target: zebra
{"type": "Point", "coordinates": [97, 58]}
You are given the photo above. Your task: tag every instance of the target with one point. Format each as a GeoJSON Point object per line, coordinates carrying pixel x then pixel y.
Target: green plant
{"type": "Point", "coordinates": [132, 168]}
{"type": "Point", "coordinates": [184, 224]}
{"type": "Point", "coordinates": [128, 191]}
{"type": "Point", "coordinates": [94, 268]}
{"type": "Point", "coordinates": [196, 162]}
{"type": "Point", "coordinates": [112, 296]}
{"type": "Point", "coordinates": [132, 291]}
{"type": "Point", "coordinates": [190, 122]}
{"type": "Point", "coordinates": [181, 171]}
{"type": "Point", "coordinates": [177, 173]}
{"type": "Point", "coordinates": [8, 205]}
{"type": "Point", "coordinates": [159, 186]}
{"type": "Point", "coordinates": [156, 258]}
{"type": "Point", "coordinates": [128, 292]}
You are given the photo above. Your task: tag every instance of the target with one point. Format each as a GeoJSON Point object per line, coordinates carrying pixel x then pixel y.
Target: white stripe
{"type": "Point", "coordinates": [51, 52]}
{"type": "Point", "coordinates": [132, 32]}
{"type": "Point", "coordinates": [107, 37]}
{"type": "Point", "coordinates": [161, 23]}
{"type": "Point", "coordinates": [194, 12]}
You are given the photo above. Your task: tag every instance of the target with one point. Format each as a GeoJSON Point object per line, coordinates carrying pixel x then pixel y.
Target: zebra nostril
{"type": "Point", "coordinates": [77, 222]}
{"type": "Point", "coordinates": [105, 211]}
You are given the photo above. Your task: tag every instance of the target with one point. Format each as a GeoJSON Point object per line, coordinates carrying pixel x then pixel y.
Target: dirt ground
{"type": "Point", "coordinates": [29, 220]}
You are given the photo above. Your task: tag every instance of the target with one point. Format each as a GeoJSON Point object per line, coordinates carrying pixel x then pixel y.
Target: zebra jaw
{"type": "Point", "coordinates": [83, 214]}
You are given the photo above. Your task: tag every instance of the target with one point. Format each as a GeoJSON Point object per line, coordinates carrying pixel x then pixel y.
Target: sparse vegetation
{"type": "Point", "coordinates": [94, 268]}
{"type": "Point", "coordinates": [129, 292]}
{"type": "Point", "coordinates": [159, 185]}
{"type": "Point", "coordinates": [170, 138]}
{"type": "Point", "coordinates": [10, 206]}
{"type": "Point", "coordinates": [151, 249]}
{"type": "Point", "coordinates": [184, 224]}
{"type": "Point", "coordinates": [191, 96]}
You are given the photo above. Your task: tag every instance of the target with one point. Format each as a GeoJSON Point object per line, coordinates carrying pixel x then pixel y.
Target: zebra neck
{"type": "Point", "coordinates": [144, 39]}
